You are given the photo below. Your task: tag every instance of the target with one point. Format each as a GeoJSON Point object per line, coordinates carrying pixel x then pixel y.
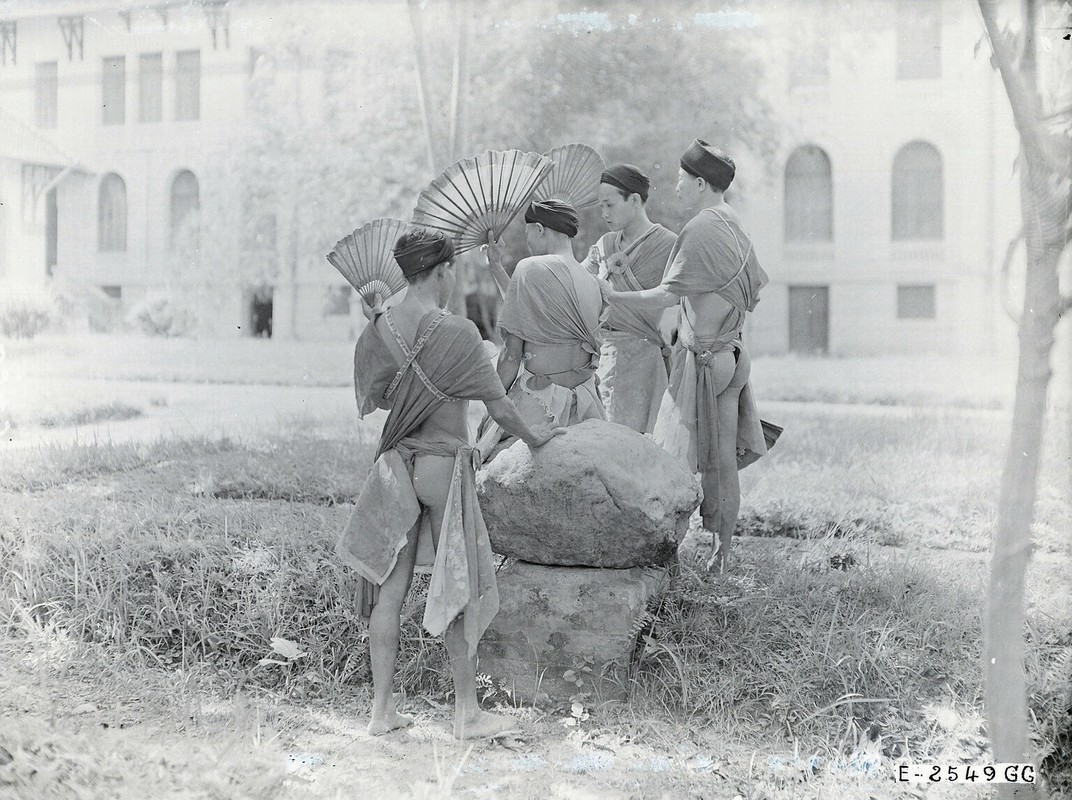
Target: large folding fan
{"type": "Point", "coordinates": [480, 195]}
{"type": "Point", "coordinates": [366, 259]}
{"type": "Point", "coordinates": [575, 177]}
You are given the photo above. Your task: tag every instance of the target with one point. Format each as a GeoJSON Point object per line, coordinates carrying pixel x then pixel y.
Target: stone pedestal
{"type": "Point", "coordinates": [555, 619]}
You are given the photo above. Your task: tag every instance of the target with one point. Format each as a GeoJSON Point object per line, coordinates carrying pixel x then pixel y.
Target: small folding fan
{"type": "Point", "coordinates": [575, 177]}
{"type": "Point", "coordinates": [480, 195]}
{"type": "Point", "coordinates": [366, 259]}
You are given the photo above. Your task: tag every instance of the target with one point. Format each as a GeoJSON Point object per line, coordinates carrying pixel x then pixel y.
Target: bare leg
{"type": "Point", "coordinates": [722, 372]}
{"type": "Point", "coordinates": [728, 481]}
{"type": "Point", "coordinates": [431, 480]}
{"type": "Point", "coordinates": [384, 629]}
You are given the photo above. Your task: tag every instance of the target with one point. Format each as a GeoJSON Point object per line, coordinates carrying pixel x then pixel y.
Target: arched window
{"type": "Point", "coordinates": [918, 193]}
{"type": "Point", "coordinates": [112, 214]}
{"type": "Point", "coordinates": [809, 196]}
{"type": "Point", "coordinates": [185, 202]}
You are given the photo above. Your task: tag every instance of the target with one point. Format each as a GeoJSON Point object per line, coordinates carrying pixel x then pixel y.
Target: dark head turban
{"type": "Point", "coordinates": [420, 250]}
{"type": "Point", "coordinates": [627, 178]}
{"type": "Point", "coordinates": [554, 214]}
{"type": "Point", "coordinates": [710, 163]}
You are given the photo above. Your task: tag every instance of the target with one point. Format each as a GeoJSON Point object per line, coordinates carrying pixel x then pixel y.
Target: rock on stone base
{"type": "Point", "coordinates": [555, 619]}
{"type": "Point", "coordinates": [601, 495]}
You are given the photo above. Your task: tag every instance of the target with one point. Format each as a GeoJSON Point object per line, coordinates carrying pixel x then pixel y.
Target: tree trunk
{"type": "Point", "coordinates": [424, 95]}
{"type": "Point", "coordinates": [1045, 218]}
{"type": "Point", "coordinates": [1005, 690]}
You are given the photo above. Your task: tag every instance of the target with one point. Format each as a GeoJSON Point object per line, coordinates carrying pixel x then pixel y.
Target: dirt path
{"type": "Point", "coordinates": [136, 734]}
{"type": "Point", "coordinates": [240, 410]}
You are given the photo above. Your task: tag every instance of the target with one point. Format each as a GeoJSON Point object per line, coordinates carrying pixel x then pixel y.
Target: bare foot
{"type": "Point", "coordinates": [390, 721]}
{"type": "Point", "coordinates": [485, 725]}
{"type": "Point", "coordinates": [717, 563]}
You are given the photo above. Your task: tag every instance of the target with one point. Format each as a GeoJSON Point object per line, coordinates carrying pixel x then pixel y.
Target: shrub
{"type": "Point", "coordinates": [24, 315]}
{"type": "Point", "coordinates": [85, 306]}
{"type": "Point", "coordinates": [161, 314]}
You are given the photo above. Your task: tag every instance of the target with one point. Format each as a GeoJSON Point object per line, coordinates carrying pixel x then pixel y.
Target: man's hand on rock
{"type": "Point", "coordinates": [542, 433]}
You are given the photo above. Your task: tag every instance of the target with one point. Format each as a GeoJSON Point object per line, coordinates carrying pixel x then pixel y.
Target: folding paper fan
{"type": "Point", "coordinates": [366, 259]}
{"type": "Point", "coordinates": [480, 195]}
{"type": "Point", "coordinates": [575, 176]}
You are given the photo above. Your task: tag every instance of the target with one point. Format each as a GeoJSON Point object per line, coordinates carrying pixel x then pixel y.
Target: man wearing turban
{"type": "Point", "coordinates": [550, 327]}
{"type": "Point", "coordinates": [632, 257]}
{"type": "Point", "coordinates": [708, 414]}
{"type": "Point", "coordinates": [418, 505]}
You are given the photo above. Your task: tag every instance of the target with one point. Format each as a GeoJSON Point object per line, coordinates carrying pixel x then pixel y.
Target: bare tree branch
{"type": "Point", "coordinates": [1006, 301]}
{"type": "Point", "coordinates": [1025, 103]}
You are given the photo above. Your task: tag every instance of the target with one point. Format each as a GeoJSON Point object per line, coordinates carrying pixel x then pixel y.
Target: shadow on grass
{"type": "Point", "coordinates": [115, 411]}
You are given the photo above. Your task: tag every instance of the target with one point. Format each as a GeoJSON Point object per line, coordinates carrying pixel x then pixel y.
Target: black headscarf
{"type": "Point", "coordinates": [710, 163]}
{"type": "Point", "coordinates": [420, 250]}
{"type": "Point", "coordinates": [554, 214]}
{"type": "Point", "coordinates": [627, 178]}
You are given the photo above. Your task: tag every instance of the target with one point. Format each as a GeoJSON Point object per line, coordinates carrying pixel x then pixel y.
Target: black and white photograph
{"type": "Point", "coordinates": [537, 399]}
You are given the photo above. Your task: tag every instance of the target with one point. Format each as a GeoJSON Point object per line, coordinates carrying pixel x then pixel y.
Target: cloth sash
{"type": "Point", "coordinates": [538, 400]}
{"type": "Point", "coordinates": [687, 424]}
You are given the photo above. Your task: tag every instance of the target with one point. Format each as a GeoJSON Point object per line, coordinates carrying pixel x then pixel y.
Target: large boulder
{"type": "Point", "coordinates": [602, 495]}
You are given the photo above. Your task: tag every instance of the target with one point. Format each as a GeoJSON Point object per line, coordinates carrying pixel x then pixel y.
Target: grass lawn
{"type": "Point", "coordinates": [152, 577]}
{"type": "Point", "coordinates": [142, 585]}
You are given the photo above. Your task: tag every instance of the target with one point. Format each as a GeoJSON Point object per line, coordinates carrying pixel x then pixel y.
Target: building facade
{"type": "Point", "coordinates": [882, 223]}
{"type": "Point", "coordinates": [885, 220]}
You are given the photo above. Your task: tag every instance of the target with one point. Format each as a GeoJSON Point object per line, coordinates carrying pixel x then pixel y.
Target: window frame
{"type": "Point", "coordinates": [802, 230]}
{"type": "Point", "coordinates": [116, 113]}
{"type": "Point", "coordinates": [187, 106]}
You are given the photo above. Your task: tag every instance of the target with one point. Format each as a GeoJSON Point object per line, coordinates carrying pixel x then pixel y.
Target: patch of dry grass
{"type": "Point", "coordinates": [114, 411]}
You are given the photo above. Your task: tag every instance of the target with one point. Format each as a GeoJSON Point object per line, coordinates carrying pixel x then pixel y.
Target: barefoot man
{"type": "Point", "coordinates": [550, 328]}
{"type": "Point", "coordinates": [418, 505]}
{"type": "Point", "coordinates": [632, 257]}
{"type": "Point", "coordinates": [708, 414]}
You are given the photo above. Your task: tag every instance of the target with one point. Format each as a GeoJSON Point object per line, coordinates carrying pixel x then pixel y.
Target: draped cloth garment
{"type": "Point", "coordinates": [712, 254]}
{"type": "Point", "coordinates": [633, 360]}
{"type": "Point", "coordinates": [446, 363]}
{"type": "Point", "coordinates": [552, 303]}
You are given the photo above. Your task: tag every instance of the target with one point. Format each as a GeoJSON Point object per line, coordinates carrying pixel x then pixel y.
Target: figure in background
{"type": "Point", "coordinates": [633, 361]}
{"type": "Point", "coordinates": [418, 505]}
{"type": "Point", "coordinates": [550, 328]}
{"type": "Point", "coordinates": [708, 414]}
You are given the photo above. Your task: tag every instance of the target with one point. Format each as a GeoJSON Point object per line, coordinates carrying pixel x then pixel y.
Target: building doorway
{"type": "Point", "coordinates": [51, 232]}
{"type": "Point", "coordinates": [260, 312]}
{"type": "Point", "coordinates": [809, 319]}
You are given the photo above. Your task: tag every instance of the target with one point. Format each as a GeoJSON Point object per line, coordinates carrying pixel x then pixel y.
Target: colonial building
{"type": "Point", "coordinates": [882, 223]}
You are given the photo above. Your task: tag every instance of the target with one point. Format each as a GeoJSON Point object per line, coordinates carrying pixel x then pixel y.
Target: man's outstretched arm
{"type": "Point", "coordinates": [505, 413]}
{"type": "Point", "coordinates": [654, 299]}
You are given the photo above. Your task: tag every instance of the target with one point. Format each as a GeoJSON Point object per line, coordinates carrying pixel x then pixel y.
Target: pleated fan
{"type": "Point", "coordinates": [575, 176]}
{"type": "Point", "coordinates": [480, 195]}
{"type": "Point", "coordinates": [366, 259]}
